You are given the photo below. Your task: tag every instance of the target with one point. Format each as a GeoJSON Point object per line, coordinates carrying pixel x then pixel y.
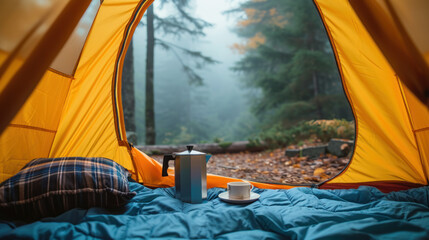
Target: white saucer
{"type": "Point", "coordinates": [225, 197]}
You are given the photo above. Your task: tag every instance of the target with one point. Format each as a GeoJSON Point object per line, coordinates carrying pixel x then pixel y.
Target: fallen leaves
{"type": "Point", "coordinates": [274, 166]}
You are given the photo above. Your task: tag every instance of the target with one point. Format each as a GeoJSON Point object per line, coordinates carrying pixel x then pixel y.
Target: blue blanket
{"type": "Point", "coordinates": [299, 213]}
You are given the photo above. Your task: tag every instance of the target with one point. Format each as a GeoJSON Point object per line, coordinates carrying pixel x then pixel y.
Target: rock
{"type": "Point", "coordinates": [349, 156]}
{"type": "Point", "coordinates": [292, 152]}
{"type": "Point", "coordinates": [132, 137]}
{"type": "Point", "coordinates": [313, 152]}
{"type": "Point", "coordinates": [340, 147]}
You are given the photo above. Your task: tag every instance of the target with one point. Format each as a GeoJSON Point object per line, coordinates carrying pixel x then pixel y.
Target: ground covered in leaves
{"type": "Point", "coordinates": [274, 166]}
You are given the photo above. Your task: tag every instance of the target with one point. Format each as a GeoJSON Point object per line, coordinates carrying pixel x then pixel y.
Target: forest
{"type": "Point", "coordinates": [201, 72]}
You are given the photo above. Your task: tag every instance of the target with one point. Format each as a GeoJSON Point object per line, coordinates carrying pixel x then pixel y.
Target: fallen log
{"type": "Point", "coordinates": [210, 148]}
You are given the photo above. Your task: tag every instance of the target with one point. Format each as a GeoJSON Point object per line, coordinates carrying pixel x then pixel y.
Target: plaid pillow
{"type": "Point", "coordinates": [49, 186]}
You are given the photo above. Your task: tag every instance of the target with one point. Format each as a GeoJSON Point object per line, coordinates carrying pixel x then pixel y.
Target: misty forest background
{"type": "Point", "coordinates": [229, 71]}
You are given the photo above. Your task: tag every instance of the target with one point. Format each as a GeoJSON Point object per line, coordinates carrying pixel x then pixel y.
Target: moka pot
{"type": "Point", "coordinates": [190, 174]}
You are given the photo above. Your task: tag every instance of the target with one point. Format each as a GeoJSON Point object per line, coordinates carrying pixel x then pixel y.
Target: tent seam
{"type": "Point", "coordinates": [62, 112]}
{"type": "Point", "coordinates": [32, 128]}
{"type": "Point", "coordinates": [385, 185]}
{"type": "Point", "coordinates": [412, 126]}
{"type": "Point", "coordinates": [421, 129]}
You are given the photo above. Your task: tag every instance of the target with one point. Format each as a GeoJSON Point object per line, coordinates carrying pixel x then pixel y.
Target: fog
{"type": "Point", "coordinates": [286, 77]}
{"type": "Point", "coordinates": [187, 113]}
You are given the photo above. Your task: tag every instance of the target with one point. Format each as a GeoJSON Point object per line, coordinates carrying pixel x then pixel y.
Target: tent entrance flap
{"type": "Point", "coordinates": [386, 149]}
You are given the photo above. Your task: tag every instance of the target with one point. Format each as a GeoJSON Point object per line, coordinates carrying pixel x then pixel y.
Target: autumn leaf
{"type": "Point", "coordinates": [318, 171]}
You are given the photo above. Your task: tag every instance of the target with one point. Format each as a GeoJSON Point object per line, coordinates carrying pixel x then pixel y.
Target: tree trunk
{"type": "Point", "coordinates": [212, 148]}
{"type": "Point", "coordinates": [316, 96]}
{"type": "Point", "coordinates": [128, 100]}
{"type": "Point", "coordinates": [150, 111]}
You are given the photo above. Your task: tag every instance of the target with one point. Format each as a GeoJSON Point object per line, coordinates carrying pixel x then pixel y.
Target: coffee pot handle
{"type": "Point", "coordinates": [167, 158]}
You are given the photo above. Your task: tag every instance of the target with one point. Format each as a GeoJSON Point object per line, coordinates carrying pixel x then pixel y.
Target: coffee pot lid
{"type": "Point", "coordinates": [190, 151]}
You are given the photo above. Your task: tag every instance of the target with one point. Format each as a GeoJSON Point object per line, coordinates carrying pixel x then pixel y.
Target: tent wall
{"type": "Point", "coordinates": [399, 28]}
{"type": "Point", "coordinates": [36, 49]}
{"type": "Point", "coordinates": [386, 147]}
{"type": "Point", "coordinates": [31, 95]}
{"type": "Point", "coordinates": [32, 131]}
{"type": "Point", "coordinates": [77, 116]}
{"type": "Point", "coordinates": [89, 123]}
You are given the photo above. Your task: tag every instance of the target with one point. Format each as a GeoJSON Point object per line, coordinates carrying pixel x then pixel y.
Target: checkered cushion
{"type": "Point", "coordinates": [50, 186]}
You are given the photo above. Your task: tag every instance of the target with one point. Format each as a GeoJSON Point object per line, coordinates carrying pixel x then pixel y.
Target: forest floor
{"type": "Point", "coordinates": [273, 166]}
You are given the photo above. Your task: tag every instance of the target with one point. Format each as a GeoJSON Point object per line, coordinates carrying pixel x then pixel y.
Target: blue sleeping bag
{"type": "Point", "coordinates": [298, 213]}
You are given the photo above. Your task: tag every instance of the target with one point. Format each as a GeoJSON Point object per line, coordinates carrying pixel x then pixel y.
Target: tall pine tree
{"type": "Point", "coordinates": [182, 23]}
{"type": "Point", "coordinates": [287, 57]}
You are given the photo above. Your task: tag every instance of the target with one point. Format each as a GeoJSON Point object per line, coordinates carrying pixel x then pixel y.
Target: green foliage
{"type": "Point", "coordinates": [224, 145]}
{"type": "Point", "coordinates": [310, 131]}
{"type": "Point", "coordinates": [289, 60]}
{"type": "Point", "coordinates": [155, 152]}
{"type": "Point", "coordinates": [254, 142]}
{"type": "Point", "coordinates": [328, 129]}
{"type": "Point", "coordinates": [182, 137]}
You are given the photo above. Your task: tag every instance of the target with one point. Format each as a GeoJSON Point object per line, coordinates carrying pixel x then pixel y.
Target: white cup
{"type": "Point", "coordinates": [239, 190]}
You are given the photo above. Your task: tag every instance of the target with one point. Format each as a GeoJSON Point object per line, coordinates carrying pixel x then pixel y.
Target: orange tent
{"type": "Point", "coordinates": [60, 86]}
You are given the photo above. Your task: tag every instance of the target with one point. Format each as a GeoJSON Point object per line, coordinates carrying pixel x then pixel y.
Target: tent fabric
{"type": "Point", "coordinates": [88, 123]}
{"type": "Point", "coordinates": [386, 147]}
{"type": "Point", "coordinates": [81, 114]}
{"type": "Point", "coordinates": [399, 28]}
{"type": "Point", "coordinates": [32, 131]}
{"type": "Point", "coordinates": [298, 213]}
{"type": "Point", "coordinates": [23, 81]}
{"type": "Point", "coordinates": [72, 115]}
